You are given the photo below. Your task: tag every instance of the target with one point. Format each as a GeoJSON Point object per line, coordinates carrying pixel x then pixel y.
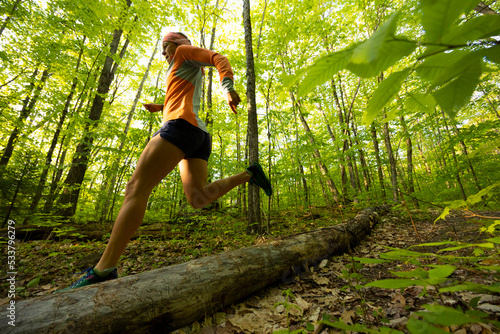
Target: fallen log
{"type": "Point", "coordinates": [172, 297]}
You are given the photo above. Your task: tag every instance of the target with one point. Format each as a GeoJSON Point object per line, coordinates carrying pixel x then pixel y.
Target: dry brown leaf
{"type": "Point", "coordinates": [321, 280]}
{"type": "Point", "coordinates": [348, 317]}
{"type": "Point", "coordinates": [304, 305]}
{"type": "Point", "coordinates": [398, 299]}
{"type": "Point", "coordinates": [476, 328]}
{"type": "Point", "coordinates": [460, 331]}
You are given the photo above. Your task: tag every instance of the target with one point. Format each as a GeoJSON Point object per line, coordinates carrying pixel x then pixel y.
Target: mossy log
{"type": "Point", "coordinates": [172, 297]}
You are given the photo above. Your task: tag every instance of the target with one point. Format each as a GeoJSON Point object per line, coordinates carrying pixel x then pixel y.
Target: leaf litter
{"type": "Point", "coordinates": [328, 290]}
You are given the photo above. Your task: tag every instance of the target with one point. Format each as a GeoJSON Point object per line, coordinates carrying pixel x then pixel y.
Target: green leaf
{"type": "Point", "coordinates": [476, 28]}
{"type": "Point", "coordinates": [492, 54]}
{"type": "Point", "coordinates": [368, 51]}
{"type": "Point", "coordinates": [367, 260]}
{"type": "Point", "coordinates": [477, 313]}
{"type": "Point", "coordinates": [441, 271]}
{"type": "Point", "coordinates": [290, 80]}
{"type": "Point", "coordinates": [438, 16]}
{"type": "Point", "coordinates": [451, 249]}
{"type": "Point", "coordinates": [384, 94]}
{"type": "Point", "coordinates": [495, 268]}
{"type": "Point", "coordinates": [324, 69]}
{"type": "Point", "coordinates": [440, 243]}
{"type": "Point", "coordinates": [395, 283]}
{"type": "Point", "coordinates": [478, 197]}
{"type": "Point", "coordinates": [416, 273]}
{"type": "Point", "coordinates": [310, 326]}
{"type": "Point", "coordinates": [403, 254]}
{"type": "Point", "coordinates": [456, 69]}
{"type": "Point", "coordinates": [357, 328]}
{"type": "Point", "coordinates": [495, 240]}
{"type": "Point", "coordinates": [34, 282]}
{"type": "Point", "coordinates": [446, 316]}
{"type": "Point", "coordinates": [416, 326]}
{"type": "Point", "coordinates": [458, 92]}
{"type": "Point", "coordinates": [389, 53]}
{"type": "Point", "coordinates": [443, 215]}
{"type": "Point", "coordinates": [476, 287]}
{"type": "Point", "coordinates": [420, 102]}
{"type": "Point", "coordinates": [435, 65]}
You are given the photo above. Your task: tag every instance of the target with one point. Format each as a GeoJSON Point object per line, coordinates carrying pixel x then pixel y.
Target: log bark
{"type": "Point", "coordinates": [172, 297]}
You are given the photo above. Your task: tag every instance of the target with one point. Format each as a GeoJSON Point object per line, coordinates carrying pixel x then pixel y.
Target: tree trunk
{"type": "Point", "coordinates": [28, 105]}
{"type": "Point", "coordinates": [483, 8]}
{"type": "Point", "coordinates": [322, 167]}
{"type": "Point", "coordinates": [16, 192]}
{"type": "Point", "coordinates": [362, 160]}
{"type": "Point", "coordinates": [380, 171]}
{"type": "Point", "coordinates": [165, 299]}
{"type": "Point", "coordinates": [455, 159]}
{"type": "Point", "coordinates": [469, 162]}
{"type": "Point", "coordinates": [69, 197]}
{"type": "Point", "coordinates": [55, 138]}
{"type": "Point", "coordinates": [392, 162]}
{"type": "Point", "coordinates": [409, 161]}
{"type": "Point", "coordinates": [9, 16]}
{"type": "Point", "coordinates": [344, 160]}
{"type": "Point", "coordinates": [208, 118]}
{"type": "Point", "coordinates": [253, 131]}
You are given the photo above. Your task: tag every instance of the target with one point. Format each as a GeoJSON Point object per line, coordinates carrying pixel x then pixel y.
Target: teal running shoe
{"type": "Point", "coordinates": [259, 178]}
{"type": "Point", "coordinates": [90, 277]}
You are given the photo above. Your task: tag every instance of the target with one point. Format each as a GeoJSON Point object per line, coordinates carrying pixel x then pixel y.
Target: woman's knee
{"type": "Point", "coordinates": [135, 188]}
{"type": "Point", "coordinates": [197, 198]}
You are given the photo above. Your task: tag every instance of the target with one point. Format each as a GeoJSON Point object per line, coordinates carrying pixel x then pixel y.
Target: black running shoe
{"type": "Point", "coordinates": [259, 178]}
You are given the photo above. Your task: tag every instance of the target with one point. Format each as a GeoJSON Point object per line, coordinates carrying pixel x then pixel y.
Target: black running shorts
{"type": "Point", "coordinates": [194, 142]}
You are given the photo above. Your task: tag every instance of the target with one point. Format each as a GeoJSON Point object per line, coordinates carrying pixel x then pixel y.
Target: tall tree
{"type": "Point", "coordinates": [69, 197]}
{"type": "Point", "coordinates": [28, 106]}
{"type": "Point", "coordinates": [253, 131]}
{"type": "Point", "coordinates": [55, 138]}
{"type": "Point", "coordinates": [392, 161]}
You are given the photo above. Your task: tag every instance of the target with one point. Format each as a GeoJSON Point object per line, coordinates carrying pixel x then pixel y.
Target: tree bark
{"type": "Point", "coordinates": [165, 299]}
{"type": "Point", "coordinates": [253, 131]}
{"type": "Point", "coordinates": [364, 165]}
{"type": "Point", "coordinates": [409, 161]}
{"type": "Point", "coordinates": [483, 8]}
{"type": "Point", "coordinates": [380, 171]}
{"type": "Point", "coordinates": [345, 158]}
{"type": "Point", "coordinates": [392, 162]}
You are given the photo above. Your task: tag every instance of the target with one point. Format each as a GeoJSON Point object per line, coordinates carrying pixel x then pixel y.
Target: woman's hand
{"type": "Point", "coordinates": [233, 99]}
{"type": "Point", "coordinates": [153, 107]}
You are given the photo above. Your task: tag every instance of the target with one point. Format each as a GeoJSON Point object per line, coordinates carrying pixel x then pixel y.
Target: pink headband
{"type": "Point", "coordinates": [176, 38]}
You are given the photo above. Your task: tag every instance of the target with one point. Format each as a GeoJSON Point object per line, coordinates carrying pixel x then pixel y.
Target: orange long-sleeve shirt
{"type": "Point", "coordinates": [184, 82]}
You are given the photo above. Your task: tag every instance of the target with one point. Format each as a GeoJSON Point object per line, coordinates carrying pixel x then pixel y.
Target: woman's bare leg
{"type": "Point", "coordinates": [156, 161]}
{"type": "Point", "coordinates": [194, 177]}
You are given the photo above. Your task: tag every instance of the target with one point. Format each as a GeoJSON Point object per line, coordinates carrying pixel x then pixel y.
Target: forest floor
{"type": "Point", "coordinates": [329, 291]}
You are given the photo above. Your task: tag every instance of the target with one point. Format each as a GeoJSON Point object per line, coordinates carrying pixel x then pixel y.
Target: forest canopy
{"type": "Point", "coordinates": [358, 102]}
